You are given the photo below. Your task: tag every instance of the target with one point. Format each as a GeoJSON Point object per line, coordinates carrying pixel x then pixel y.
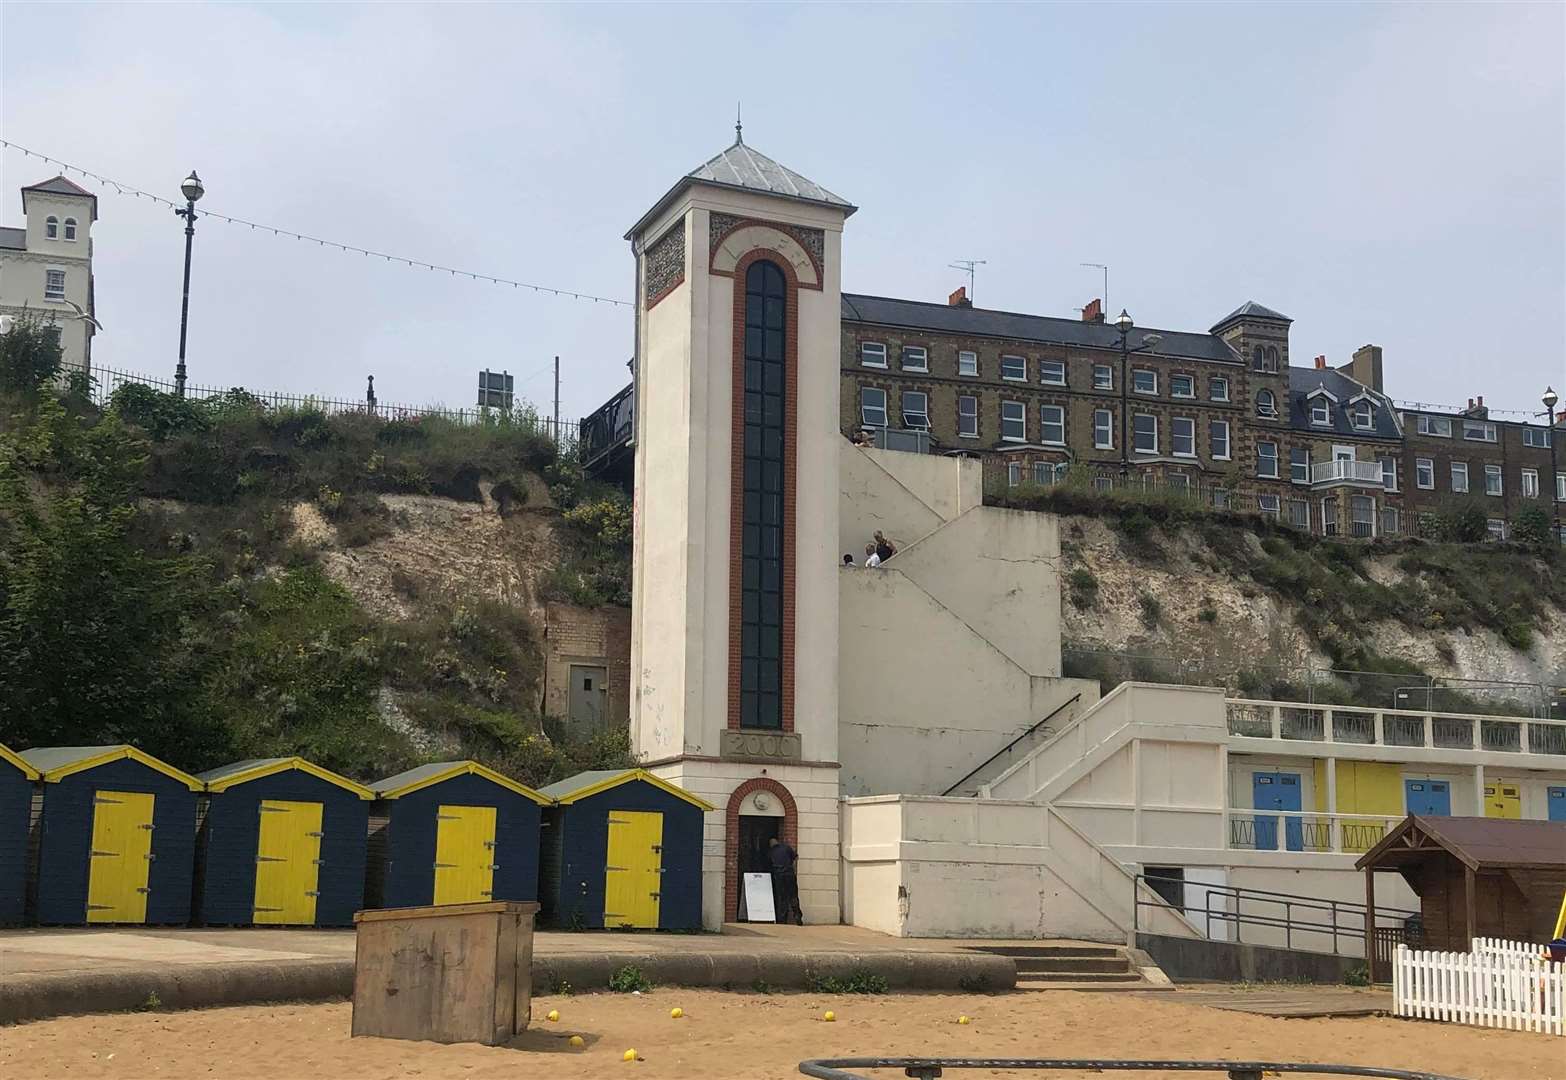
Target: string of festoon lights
{"type": "Point", "coordinates": [122, 188]}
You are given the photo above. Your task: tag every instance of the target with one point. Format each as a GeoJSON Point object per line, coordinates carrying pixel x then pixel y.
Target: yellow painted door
{"type": "Point", "coordinates": [464, 854]}
{"type": "Point", "coordinates": [633, 878]}
{"type": "Point", "coordinates": [121, 857]}
{"type": "Point", "coordinates": [288, 862]}
{"type": "Point", "coordinates": [1502, 800]}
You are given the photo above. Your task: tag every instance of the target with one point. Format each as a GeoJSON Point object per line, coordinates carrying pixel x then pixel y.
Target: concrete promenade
{"type": "Point", "coordinates": [50, 972]}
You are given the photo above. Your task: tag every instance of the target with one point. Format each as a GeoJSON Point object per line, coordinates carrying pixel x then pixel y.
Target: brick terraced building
{"type": "Point", "coordinates": [1220, 412]}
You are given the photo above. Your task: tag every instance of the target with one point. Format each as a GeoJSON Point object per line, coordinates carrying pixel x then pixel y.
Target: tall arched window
{"type": "Point", "coordinates": [763, 528]}
{"type": "Point", "coordinates": [1266, 404]}
{"type": "Point", "coordinates": [1272, 358]}
{"type": "Point", "coordinates": [52, 227]}
{"type": "Point", "coordinates": [1258, 357]}
{"type": "Point", "coordinates": [70, 228]}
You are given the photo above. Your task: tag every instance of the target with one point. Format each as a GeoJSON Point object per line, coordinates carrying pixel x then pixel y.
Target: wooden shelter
{"type": "Point", "coordinates": [17, 783]}
{"type": "Point", "coordinates": [454, 832]}
{"type": "Point", "coordinates": [622, 850]}
{"type": "Point", "coordinates": [118, 839]}
{"type": "Point", "coordinates": [1476, 877]}
{"type": "Point", "coordinates": [282, 842]}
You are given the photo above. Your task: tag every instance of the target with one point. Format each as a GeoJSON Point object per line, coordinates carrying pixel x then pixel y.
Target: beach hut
{"type": "Point", "coordinates": [454, 832]}
{"type": "Point", "coordinates": [17, 783]}
{"type": "Point", "coordinates": [282, 842]}
{"type": "Point", "coordinates": [118, 836]}
{"type": "Point", "coordinates": [622, 849]}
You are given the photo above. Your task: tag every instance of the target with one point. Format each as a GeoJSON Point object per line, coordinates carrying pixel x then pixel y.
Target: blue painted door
{"type": "Point", "coordinates": [1428, 796]}
{"type": "Point", "coordinates": [1276, 791]}
{"type": "Point", "coordinates": [1557, 801]}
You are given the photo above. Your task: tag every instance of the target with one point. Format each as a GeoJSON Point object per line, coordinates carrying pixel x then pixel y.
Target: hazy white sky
{"type": "Point", "coordinates": [1388, 173]}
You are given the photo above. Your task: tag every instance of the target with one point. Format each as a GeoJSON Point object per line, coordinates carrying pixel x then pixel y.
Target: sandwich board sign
{"type": "Point", "coordinates": [758, 899]}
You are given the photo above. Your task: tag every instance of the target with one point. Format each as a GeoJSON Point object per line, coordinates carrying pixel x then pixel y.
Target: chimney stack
{"type": "Point", "coordinates": [1094, 311]}
{"type": "Point", "coordinates": [1366, 367]}
{"type": "Point", "coordinates": [959, 298]}
{"type": "Point", "coordinates": [1321, 362]}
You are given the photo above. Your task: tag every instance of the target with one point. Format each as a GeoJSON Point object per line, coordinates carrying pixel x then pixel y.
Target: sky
{"type": "Point", "coordinates": [1383, 173]}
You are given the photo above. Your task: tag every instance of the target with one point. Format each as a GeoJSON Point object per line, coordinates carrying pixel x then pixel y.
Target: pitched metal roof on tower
{"type": "Point", "coordinates": [742, 168]}
{"type": "Point", "coordinates": [1251, 310]}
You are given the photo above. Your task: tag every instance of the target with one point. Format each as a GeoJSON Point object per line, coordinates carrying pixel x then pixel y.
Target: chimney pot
{"type": "Point", "coordinates": [1481, 399]}
{"type": "Point", "coordinates": [959, 298]}
{"type": "Point", "coordinates": [1094, 311]}
{"type": "Point", "coordinates": [1321, 362]}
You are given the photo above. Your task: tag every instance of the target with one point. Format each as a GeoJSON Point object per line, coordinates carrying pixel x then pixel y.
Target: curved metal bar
{"type": "Point", "coordinates": [927, 1068]}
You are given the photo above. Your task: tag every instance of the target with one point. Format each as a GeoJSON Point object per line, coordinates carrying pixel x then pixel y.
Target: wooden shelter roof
{"type": "Point", "coordinates": [1478, 843]}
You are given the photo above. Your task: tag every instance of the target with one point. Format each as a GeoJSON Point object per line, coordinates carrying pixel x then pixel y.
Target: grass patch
{"type": "Point", "coordinates": [858, 981]}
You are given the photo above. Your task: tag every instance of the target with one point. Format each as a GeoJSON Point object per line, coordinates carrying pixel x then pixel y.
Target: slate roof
{"type": "Point", "coordinates": [14, 239]}
{"type": "Point", "coordinates": [1304, 380]}
{"type": "Point", "coordinates": [59, 185]}
{"type": "Point", "coordinates": [562, 788]}
{"type": "Point", "coordinates": [1251, 310]}
{"type": "Point", "coordinates": [1478, 842]}
{"type": "Point", "coordinates": [744, 168]}
{"type": "Point", "coordinates": [983, 322]}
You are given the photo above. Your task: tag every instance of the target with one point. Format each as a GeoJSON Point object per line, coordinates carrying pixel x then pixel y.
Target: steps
{"type": "Point", "coordinates": [1073, 967]}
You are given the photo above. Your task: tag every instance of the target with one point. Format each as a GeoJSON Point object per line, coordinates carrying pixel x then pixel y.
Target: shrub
{"type": "Point", "coordinates": [858, 981]}
{"type": "Point", "coordinates": [1462, 521]}
{"type": "Point", "coordinates": [1083, 588]}
{"type": "Point", "coordinates": [30, 354]}
{"type": "Point", "coordinates": [630, 979]}
{"type": "Point", "coordinates": [1151, 609]}
{"type": "Point", "coordinates": [1208, 614]}
{"type": "Point", "coordinates": [1531, 525]}
{"type": "Point", "coordinates": [1358, 975]}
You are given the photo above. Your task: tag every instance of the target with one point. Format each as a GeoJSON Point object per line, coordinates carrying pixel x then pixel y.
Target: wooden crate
{"type": "Point", "coordinates": [454, 973]}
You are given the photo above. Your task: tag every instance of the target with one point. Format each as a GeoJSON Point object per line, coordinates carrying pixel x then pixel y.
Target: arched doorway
{"type": "Point", "coordinates": [758, 809]}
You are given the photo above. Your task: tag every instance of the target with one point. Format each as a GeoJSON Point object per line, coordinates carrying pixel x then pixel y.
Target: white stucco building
{"type": "Point", "coordinates": [46, 265]}
{"type": "Point", "coordinates": [907, 727]}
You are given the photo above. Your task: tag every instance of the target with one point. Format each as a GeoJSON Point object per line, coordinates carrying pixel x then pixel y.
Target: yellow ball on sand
{"type": "Point", "coordinates": [964, 1020]}
{"type": "Point", "coordinates": [629, 1055]}
{"type": "Point", "coordinates": [577, 1040]}
{"type": "Point", "coordinates": [676, 1013]}
{"type": "Point", "coordinates": [554, 1015]}
{"type": "Point", "coordinates": [829, 1016]}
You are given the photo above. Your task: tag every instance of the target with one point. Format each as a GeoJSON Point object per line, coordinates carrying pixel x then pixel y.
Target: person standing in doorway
{"type": "Point", "coordinates": [785, 882]}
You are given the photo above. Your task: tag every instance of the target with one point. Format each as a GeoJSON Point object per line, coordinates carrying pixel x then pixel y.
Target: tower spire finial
{"type": "Point", "coordinates": [739, 132]}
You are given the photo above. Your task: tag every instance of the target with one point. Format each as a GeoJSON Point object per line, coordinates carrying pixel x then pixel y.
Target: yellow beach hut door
{"type": "Point", "coordinates": [1502, 800]}
{"type": "Point", "coordinates": [464, 854]}
{"type": "Point", "coordinates": [633, 878]}
{"type": "Point", "coordinates": [288, 862]}
{"type": "Point", "coordinates": [121, 857]}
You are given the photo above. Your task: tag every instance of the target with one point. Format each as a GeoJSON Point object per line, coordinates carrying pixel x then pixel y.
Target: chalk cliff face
{"type": "Point", "coordinates": [1227, 606]}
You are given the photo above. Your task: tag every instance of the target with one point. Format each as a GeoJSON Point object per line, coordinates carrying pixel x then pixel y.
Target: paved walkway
{"type": "Point", "coordinates": [1293, 1002]}
{"type": "Point", "coordinates": [37, 951]}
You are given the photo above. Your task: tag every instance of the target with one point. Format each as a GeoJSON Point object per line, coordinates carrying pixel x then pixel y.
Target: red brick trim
{"type": "Point", "coordinates": [737, 475]}
{"type": "Point", "coordinates": [731, 835]}
{"type": "Point", "coordinates": [786, 230]}
{"type": "Point", "coordinates": [653, 301]}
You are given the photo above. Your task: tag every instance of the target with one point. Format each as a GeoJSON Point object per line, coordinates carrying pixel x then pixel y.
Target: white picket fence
{"type": "Point", "coordinates": [1500, 984]}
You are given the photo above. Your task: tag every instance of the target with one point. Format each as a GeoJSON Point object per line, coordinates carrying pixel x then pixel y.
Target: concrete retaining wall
{"type": "Point", "coordinates": [1198, 960]}
{"type": "Point", "coordinates": [192, 986]}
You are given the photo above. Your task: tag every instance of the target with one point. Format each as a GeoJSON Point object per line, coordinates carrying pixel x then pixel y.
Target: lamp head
{"type": "Point", "coordinates": [192, 188]}
{"type": "Point", "coordinates": [1549, 398]}
{"type": "Point", "coordinates": [1123, 321]}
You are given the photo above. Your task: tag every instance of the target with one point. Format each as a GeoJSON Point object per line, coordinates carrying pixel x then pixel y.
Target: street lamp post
{"type": "Point", "coordinates": [192, 189]}
{"type": "Point", "coordinates": [1124, 324]}
{"type": "Point", "coordinates": [1555, 490]}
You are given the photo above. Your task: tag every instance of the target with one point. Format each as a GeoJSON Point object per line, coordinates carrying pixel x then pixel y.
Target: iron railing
{"type": "Point", "coordinates": [1303, 722]}
{"type": "Point", "coordinates": [1307, 917]}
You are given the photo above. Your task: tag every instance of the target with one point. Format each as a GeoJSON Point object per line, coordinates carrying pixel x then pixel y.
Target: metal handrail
{"type": "Point", "coordinates": [929, 1068]}
{"type": "Point", "coordinates": [1290, 902]}
{"type": "Point", "coordinates": [982, 765]}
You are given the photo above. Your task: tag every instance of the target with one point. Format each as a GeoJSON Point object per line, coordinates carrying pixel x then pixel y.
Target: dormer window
{"type": "Point", "coordinates": [70, 228]}
{"type": "Point", "coordinates": [1320, 411]}
{"type": "Point", "coordinates": [1266, 405]}
{"type": "Point", "coordinates": [52, 227]}
{"type": "Point", "coordinates": [1362, 414]}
